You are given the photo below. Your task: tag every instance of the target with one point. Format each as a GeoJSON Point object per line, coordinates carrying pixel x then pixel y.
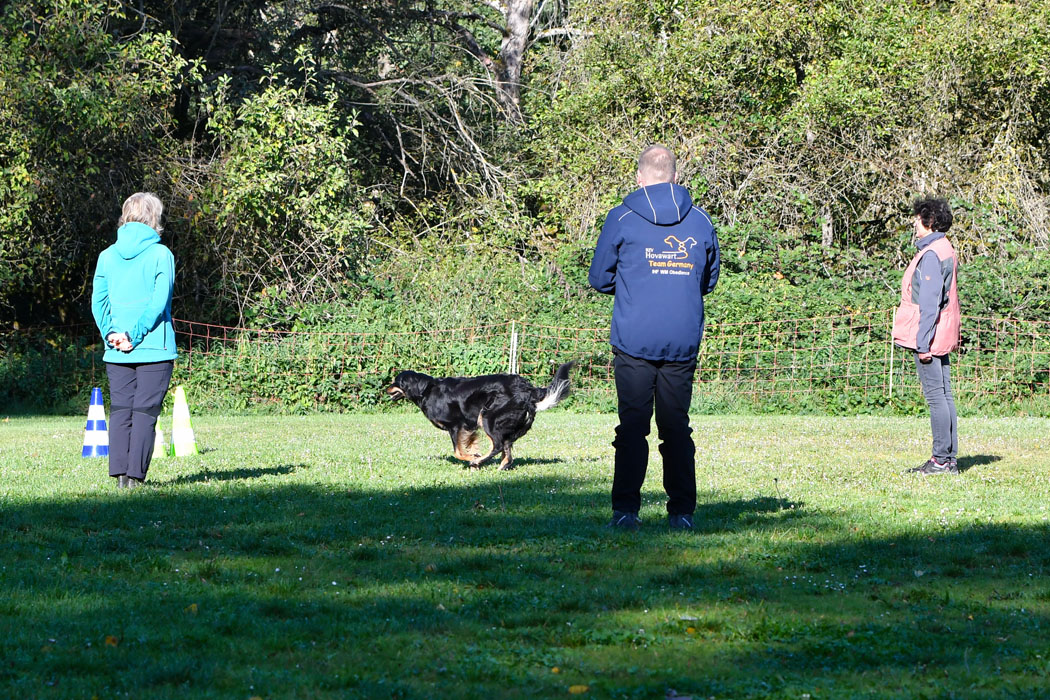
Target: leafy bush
{"type": "Point", "coordinates": [275, 214]}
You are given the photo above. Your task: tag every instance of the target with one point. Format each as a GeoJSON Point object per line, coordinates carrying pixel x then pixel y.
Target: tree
{"type": "Point", "coordinates": [84, 113]}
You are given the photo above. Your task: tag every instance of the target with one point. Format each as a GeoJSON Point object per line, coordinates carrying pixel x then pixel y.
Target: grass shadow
{"type": "Point", "coordinates": [527, 461]}
{"type": "Point", "coordinates": [205, 475]}
{"type": "Point", "coordinates": [494, 462]}
{"type": "Point", "coordinates": [731, 515]}
{"type": "Point", "coordinates": [971, 461]}
{"type": "Point", "coordinates": [405, 584]}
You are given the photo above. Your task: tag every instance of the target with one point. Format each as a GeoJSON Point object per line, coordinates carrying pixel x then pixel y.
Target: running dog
{"type": "Point", "coordinates": [503, 406]}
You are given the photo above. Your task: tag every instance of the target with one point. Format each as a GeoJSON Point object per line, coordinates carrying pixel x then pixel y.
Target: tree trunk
{"type": "Point", "coordinates": [827, 228]}
{"type": "Point", "coordinates": [511, 56]}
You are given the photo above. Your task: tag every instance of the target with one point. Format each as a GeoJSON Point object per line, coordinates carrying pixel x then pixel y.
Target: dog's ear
{"type": "Point", "coordinates": [416, 384]}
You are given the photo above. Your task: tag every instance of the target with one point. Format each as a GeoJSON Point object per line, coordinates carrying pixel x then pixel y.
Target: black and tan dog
{"type": "Point", "coordinates": [501, 405]}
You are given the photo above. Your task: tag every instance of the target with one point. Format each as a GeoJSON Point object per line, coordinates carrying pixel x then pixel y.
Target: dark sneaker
{"type": "Point", "coordinates": [624, 521]}
{"type": "Point", "coordinates": [932, 466]}
{"type": "Point", "coordinates": [122, 481]}
{"type": "Point", "coordinates": [953, 465]}
{"type": "Point", "coordinates": [134, 483]}
{"type": "Point", "coordinates": [680, 521]}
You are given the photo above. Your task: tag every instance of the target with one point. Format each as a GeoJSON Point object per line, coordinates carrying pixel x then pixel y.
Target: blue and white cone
{"type": "Point", "coordinates": [96, 437]}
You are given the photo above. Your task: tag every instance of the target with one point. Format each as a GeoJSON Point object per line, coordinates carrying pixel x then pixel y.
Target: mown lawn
{"type": "Point", "coordinates": [349, 556]}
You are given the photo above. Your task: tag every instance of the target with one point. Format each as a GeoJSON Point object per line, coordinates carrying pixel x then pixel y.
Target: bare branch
{"type": "Point", "coordinates": [560, 31]}
{"type": "Point", "coordinates": [500, 7]}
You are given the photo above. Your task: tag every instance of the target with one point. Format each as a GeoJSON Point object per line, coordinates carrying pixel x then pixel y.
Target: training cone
{"type": "Point", "coordinates": [159, 449]}
{"type": "Point", "coordinates": [183, 443]}
{"type": "Point", "coordinates": [96, 437]}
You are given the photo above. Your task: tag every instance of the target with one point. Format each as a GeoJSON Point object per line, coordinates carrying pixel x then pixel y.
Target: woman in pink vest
{"type": "Point", "coordinates": [928, 323]}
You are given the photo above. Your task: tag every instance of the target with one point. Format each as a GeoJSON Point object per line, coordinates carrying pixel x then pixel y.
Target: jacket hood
{"type": "Point", "coordinates": [133, 238]}
{"type": "Point", "coordinates": [664, 203]}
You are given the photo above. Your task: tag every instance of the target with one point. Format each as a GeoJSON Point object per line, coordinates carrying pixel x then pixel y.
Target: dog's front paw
{"type": "Point", "coordinates": [506, 467]}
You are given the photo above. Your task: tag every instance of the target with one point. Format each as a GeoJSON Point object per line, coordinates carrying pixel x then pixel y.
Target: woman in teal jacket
{"type": "Point", "coordinates": [131, 303]}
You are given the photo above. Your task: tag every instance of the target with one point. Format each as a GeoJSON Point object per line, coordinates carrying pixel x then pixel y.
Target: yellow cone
{"type": "Point", "coordinates": [183, 443]}
{"type": "Point", "coordinates": [159, 449]}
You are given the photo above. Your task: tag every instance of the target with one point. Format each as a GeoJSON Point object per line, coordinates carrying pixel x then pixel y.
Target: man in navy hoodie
{"type": "Point", "coordinates": [658, 254]}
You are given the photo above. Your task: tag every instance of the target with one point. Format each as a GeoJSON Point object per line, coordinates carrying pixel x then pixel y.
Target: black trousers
{"type": "Point", "coordinates": [639, 385]}
{"type": "Point", "coordinates": [136, 393]}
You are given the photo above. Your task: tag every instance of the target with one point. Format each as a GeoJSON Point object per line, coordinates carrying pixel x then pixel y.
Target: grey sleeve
{"type": "Point", "coordinates": [929, 284]}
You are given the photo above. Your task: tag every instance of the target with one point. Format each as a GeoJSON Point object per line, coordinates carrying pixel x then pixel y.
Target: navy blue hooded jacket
{"type": "Point", "coordinates": [658, 254]}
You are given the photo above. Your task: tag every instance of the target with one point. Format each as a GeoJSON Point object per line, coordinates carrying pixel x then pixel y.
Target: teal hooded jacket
{"type": "Point", "coordinates": [131, 294]}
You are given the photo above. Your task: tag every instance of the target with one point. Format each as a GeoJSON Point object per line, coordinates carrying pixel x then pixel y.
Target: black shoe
{"type": "Point", "coordinates": [122, 481]}
{"type": "Point", "coordinates": [134, 483]}
{"type": "Point", "coordinates": [953, 465]}
{"type": "Point", "coordinates": [680, 521]}
{"type": "Point", "coordinates": [932, 466]}
{"type": "Point", "coordinates": [622, 520]}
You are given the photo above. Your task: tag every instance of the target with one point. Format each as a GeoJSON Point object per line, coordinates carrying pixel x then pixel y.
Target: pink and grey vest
{"type": "Point", "coordinates": [947, 333]}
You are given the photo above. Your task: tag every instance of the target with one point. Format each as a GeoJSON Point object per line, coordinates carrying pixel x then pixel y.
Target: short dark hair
{"type": "Point", "coordinates": [935, 214]}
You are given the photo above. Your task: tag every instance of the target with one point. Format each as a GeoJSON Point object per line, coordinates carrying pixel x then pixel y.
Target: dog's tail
{"type": "Point", "coordinates": [557, 390]}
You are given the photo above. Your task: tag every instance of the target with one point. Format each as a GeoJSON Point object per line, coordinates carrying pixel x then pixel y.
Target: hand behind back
{"type": "Point", "coordinates": [120, 342]}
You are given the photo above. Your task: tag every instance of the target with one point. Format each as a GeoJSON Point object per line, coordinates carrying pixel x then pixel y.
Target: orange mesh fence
{"type": "Point", "coordinates": [304, 370]}
{"type": "Point", "coordinates": [746, 361]}
{"type": "Point", "coordinates": [50, 368]}
{"type": "Point", "coordinates": [1004, 358]}
{"type": "Point", "coordinates": [843, 363]}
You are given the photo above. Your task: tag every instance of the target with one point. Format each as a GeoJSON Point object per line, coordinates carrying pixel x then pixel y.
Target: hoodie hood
{"type": "Point", "coordinates": [665, 203]}
{"type": "Point", "coordinates": [133, 238]}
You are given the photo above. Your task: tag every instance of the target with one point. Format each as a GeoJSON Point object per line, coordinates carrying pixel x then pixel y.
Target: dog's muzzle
{"type": "Point", "coordinates": [395, 392]}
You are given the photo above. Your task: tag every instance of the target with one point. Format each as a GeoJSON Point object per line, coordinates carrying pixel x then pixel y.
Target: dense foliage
{"type": "Point", "coordinates": [417, 165]}
{"type": "Point", "coordinates": [84, 117]}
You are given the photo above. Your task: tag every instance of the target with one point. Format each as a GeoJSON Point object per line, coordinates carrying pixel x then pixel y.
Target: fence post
{"type": "Point", "coordinates": [892, 350]}
{"type": "Point", "coordinates": [513, 366]}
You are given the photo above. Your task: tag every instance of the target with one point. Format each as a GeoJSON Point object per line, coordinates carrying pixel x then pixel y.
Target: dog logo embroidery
{"type": "Point", "coordinates": [680, 248]}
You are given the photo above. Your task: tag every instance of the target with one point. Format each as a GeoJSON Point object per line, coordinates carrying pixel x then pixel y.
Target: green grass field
{"type": "Point", "coordinates": [349, 556]}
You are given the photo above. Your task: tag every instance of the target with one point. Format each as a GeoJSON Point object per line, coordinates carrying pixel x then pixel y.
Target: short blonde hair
{"type": "Point", "coordinates": [143, 207]}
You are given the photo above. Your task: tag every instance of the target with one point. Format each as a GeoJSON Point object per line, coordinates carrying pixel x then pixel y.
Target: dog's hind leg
{"type": "Point", "coordinates": [479, 460]}
{"type": "Point", "coordinates": [508, 461]}
{"type": "Point", "coordinates": [497, 444]}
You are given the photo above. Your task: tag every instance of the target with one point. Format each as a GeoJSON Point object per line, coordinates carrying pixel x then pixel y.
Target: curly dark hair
{"type": "Point", "coordinates": [935, 214]}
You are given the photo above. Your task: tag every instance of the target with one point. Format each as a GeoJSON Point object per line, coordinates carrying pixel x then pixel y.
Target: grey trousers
{"type": "Point", "coordinates": [136, 393]}
{"type": "Point", "coordinates": [936, 381]}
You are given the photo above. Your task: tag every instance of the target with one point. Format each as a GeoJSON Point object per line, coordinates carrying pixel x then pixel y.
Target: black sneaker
{"type": "Point", "coordinates": [623, 520]}
{"type": "Point", "coordinates": [122, 481]}
{"type": "Point", "coordinates": [680, 521]}
{"type": "Point", "coordinates": [134, 483]}
{"type": "Point", "coordinates": [953, 465]}
{"type": "Point", "coordinates": [932, 466]}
